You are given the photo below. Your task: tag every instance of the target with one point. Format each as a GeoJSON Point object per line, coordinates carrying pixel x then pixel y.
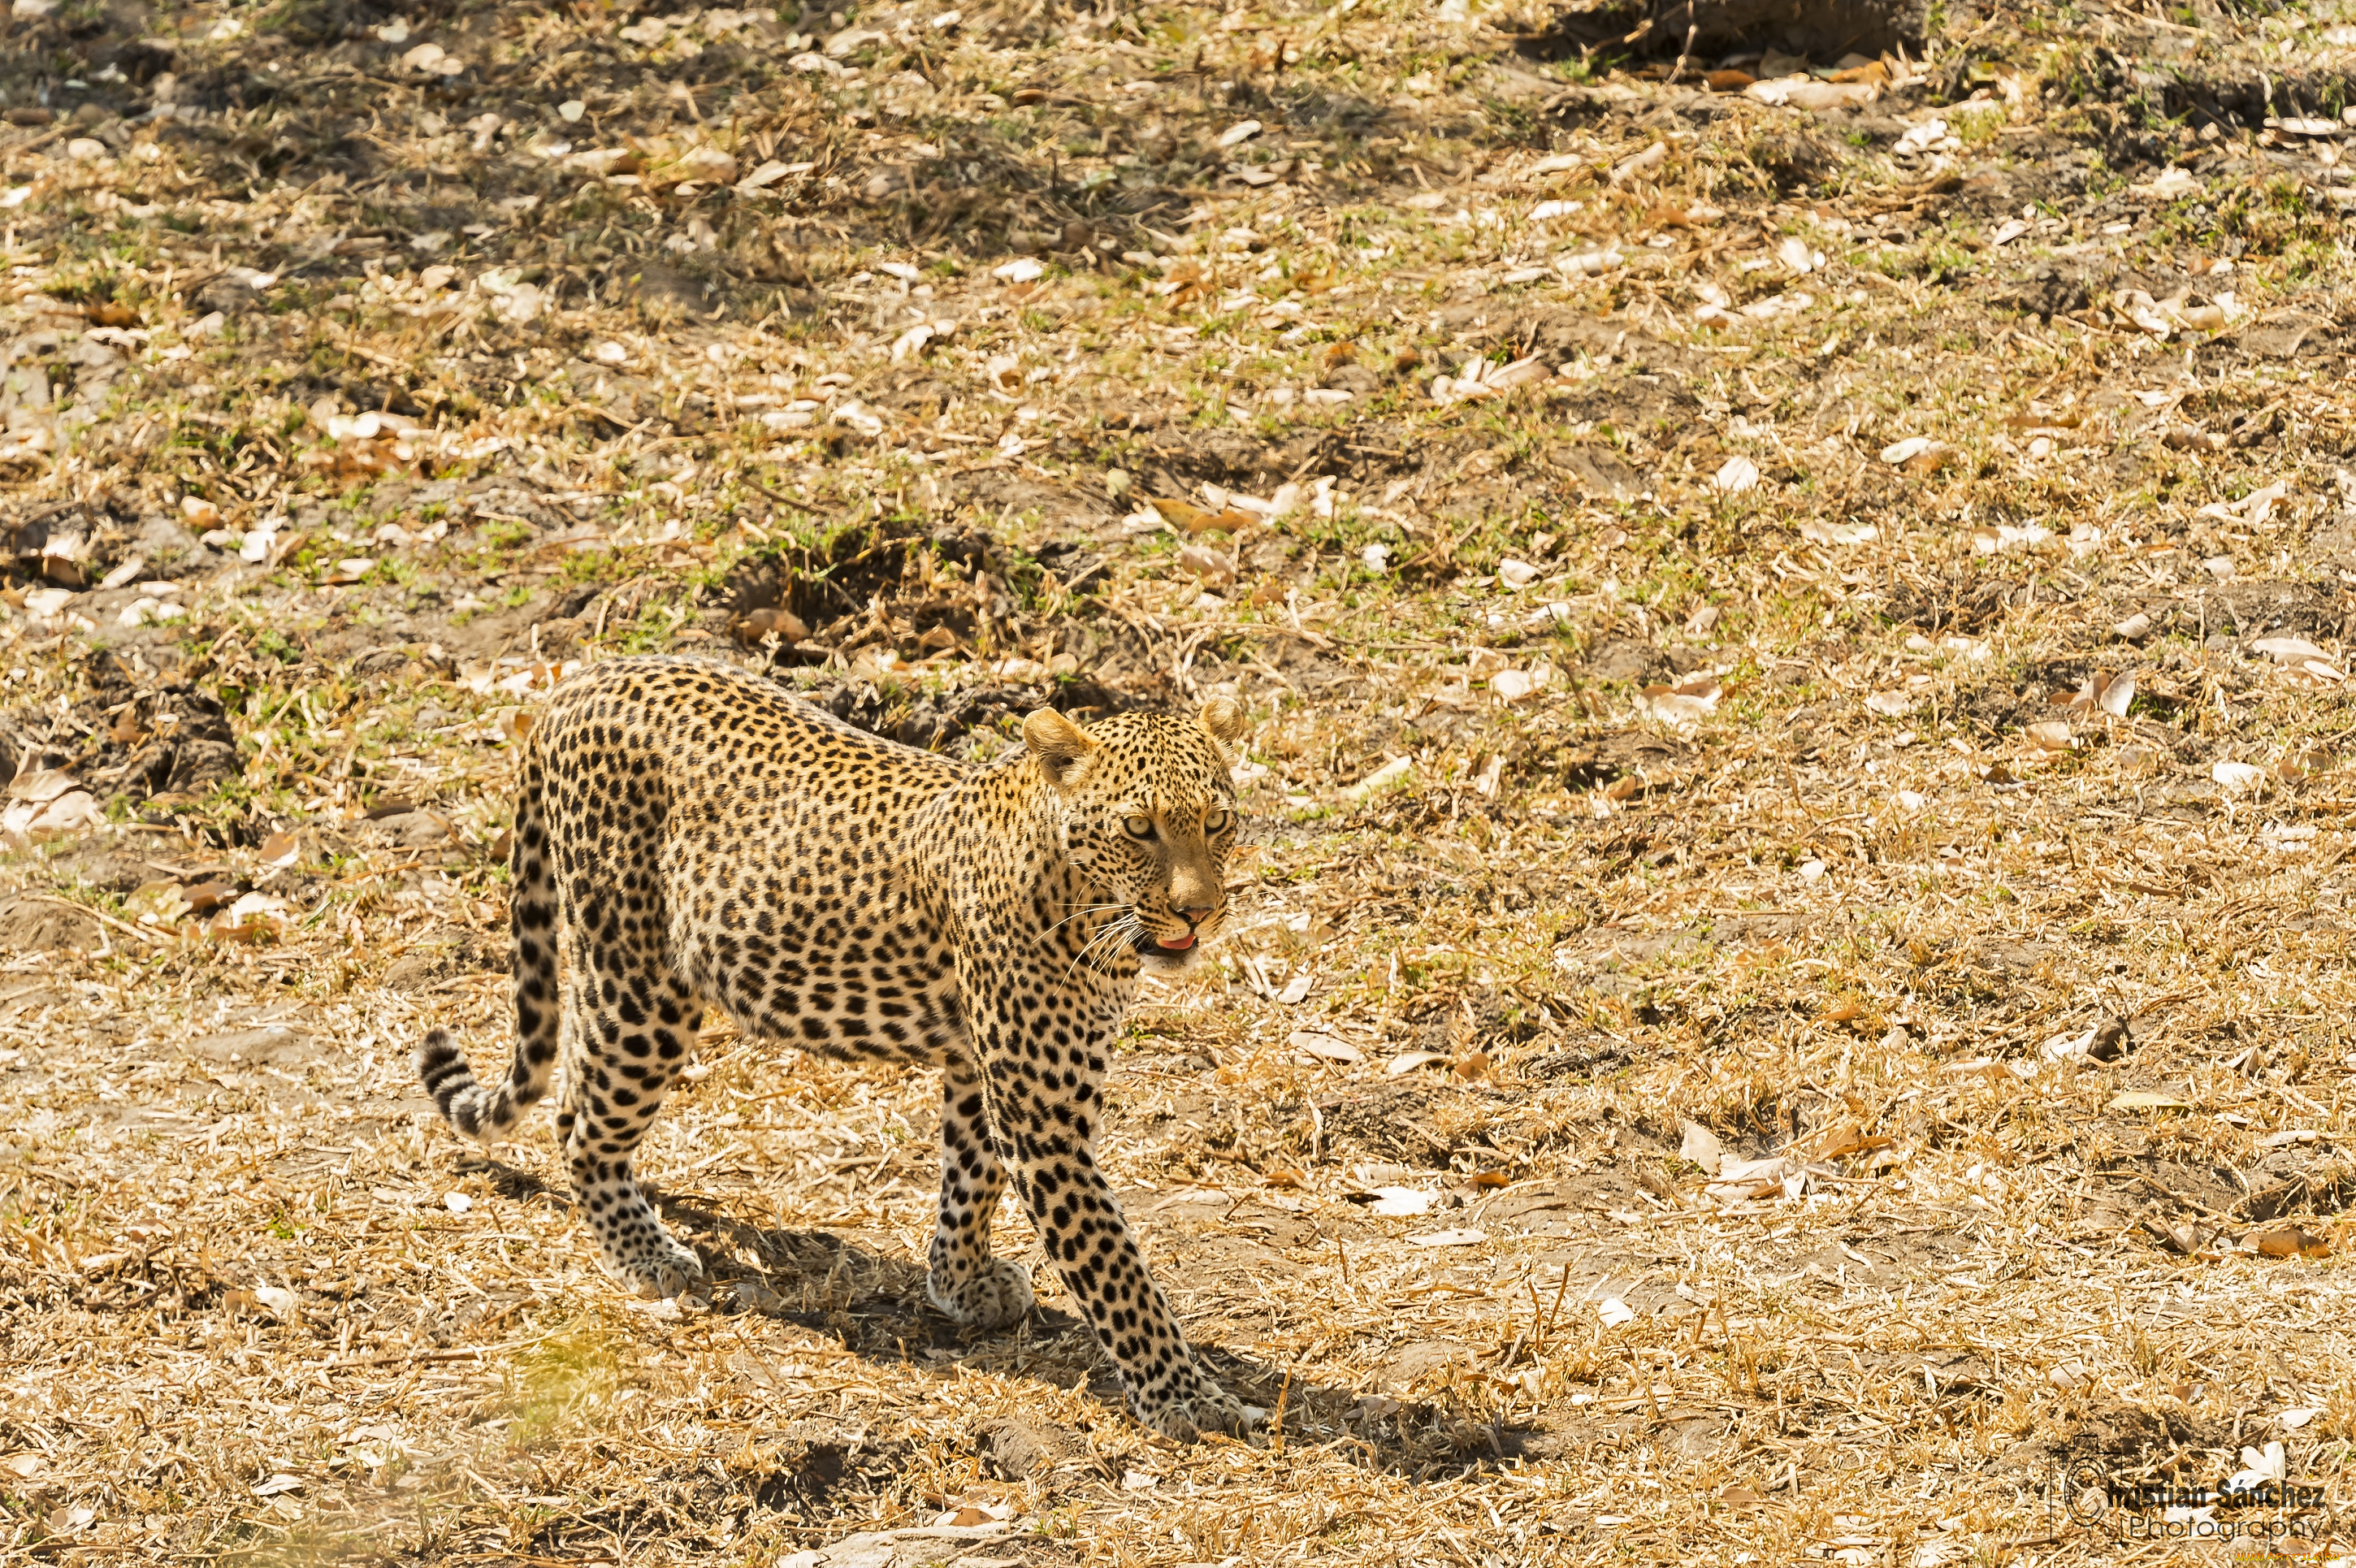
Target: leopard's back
{"type": "Point", "coordinates": [767, 848]}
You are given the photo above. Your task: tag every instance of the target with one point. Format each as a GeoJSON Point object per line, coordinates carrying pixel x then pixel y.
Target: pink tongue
{"type": "Point", "coordinates": [1181, 945]}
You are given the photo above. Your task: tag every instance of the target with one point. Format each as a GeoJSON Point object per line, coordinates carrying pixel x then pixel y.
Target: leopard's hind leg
{"type": "Point", "coordinates": [632, 1020]}
{"type": "Point", "coordinates": [481, 1110]}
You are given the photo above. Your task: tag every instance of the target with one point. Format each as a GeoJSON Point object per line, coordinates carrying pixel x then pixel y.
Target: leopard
{"type": "Point", "coordinates": [690, 834]}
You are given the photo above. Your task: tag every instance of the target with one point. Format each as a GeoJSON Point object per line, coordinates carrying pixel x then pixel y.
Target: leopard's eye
{"type": "Point", "coordinates": [1218, 822]}
{"type": "Point", "coordinates": [1139, 827]}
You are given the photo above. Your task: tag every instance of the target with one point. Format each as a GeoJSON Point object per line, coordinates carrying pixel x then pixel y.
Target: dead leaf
{"type": "Point", "coordinates": [1397, 1202]}
{"type": "Point", "coordinates": [1325, 1047]}
{"type": "Point", "coordinates": [1485, 377]}
{"type": "Point", "coordinates": [2149, 1100]}
{"type": "Point", "coordinates": [1848, 1140]}
{"type": "Point", "coordinates": [2288, 1241]}
{"type": "Point", "coordinates": [2237, 776]}
{"type": "Point", "coordinates": [1642, 163]}
{"type": "Point", "coordinates": [2301, 659]}
{"type": "Point", "coordinates": [1682, 705]}
{"type": "Point", "coordinates": [1408, 1061]}
{"type": "Point", "coordinates": [1398, 770]}
{"type": "Point", "coordinates": [1188, 518]}
{"type": "Point", "coordinates": [252, 918]}
{"type": "Point", "coordinates": [1702, 1147]}
{"type": "Point", "coordinates": [1213, 568]}
{"type": "Point", "coordinates": [157, 903]}
{"type": "Point", "coordinates": [1738, 474]}
{"type": "Point", "coordinates": [1820, 531]}
{"type": "Point", "coordinates": [1519, 685]}
{"type": "Point", "coordinates": [2051, 735]}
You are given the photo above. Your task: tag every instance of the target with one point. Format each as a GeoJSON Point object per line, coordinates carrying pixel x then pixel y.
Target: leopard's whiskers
{"type": "Point", "coordinates": [1128, 929]}
{"type": "Point", "coordinates": [1080, 910]}
{"type": "Point", "coordinates": [1104, 939]}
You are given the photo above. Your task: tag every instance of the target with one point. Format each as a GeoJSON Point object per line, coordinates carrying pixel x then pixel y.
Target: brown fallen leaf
{"type": "Point", "coordinates": [1665, 216]}
{"type": "Point", "coordinates": [2051, 734]}
{"type": "Point", "coordinates": [1282, 1176]}
{"type": "Point", "coordinates": [1728, 81]}
{"type": "Point", "coordinates": [2288, 1241]}
{"type": "Point", "coordinates": [1737, 1497]}
{"type": "Point", "coordinates": [1490, 1179]}
{"type": "Point", "coordinates": [207, 896]}
{"type": "Point", "coordinates": [758, 626]}
{"type": "Point", "coordinates": [1188, 518]}
{"type": "Point", "coordinates": [1848, 1140]}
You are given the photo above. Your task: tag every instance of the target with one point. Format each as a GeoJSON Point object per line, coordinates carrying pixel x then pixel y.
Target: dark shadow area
{"type": "Point", "coordinates": [874, 1306]}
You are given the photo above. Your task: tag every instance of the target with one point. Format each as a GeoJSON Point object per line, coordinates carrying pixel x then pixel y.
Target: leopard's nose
{"type": "Point", "coordinates": [1195, 917]}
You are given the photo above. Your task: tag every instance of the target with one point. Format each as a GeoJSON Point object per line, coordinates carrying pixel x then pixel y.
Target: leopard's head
{"type": "Point", "coordinates": [1143, 805]}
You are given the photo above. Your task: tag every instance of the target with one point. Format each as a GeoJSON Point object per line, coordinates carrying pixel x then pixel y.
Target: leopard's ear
{"type": "Point", "coordinates": [1056, 742]}
{"type": "Point", "coordinates": [1224, 717]}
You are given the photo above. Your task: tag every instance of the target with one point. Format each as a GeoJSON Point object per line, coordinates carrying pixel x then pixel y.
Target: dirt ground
{"type": "Point", "coordinates": [1789, 995]}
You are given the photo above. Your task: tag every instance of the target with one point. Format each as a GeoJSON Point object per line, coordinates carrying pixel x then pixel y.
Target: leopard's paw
{"type": "Point", "coordinates": [997, 1294]}
{"type": "Point", "coordinates": [1191, 1405]}
{"type": "Point", "coordinates": [657, 1270]}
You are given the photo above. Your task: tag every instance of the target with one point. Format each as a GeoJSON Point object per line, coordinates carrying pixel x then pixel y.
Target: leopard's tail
{"type": "Point", "coordinates": [476, 1110]}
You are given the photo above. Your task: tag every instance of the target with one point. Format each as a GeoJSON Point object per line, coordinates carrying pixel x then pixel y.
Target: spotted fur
{"type": "Point", "coordinates": [687, 833]}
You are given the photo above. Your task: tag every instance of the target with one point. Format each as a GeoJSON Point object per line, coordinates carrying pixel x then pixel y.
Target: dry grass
{"type": "Point", "coordinates": [1708, 821]}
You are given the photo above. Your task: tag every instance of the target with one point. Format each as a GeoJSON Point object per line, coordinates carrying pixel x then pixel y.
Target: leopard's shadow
{"type": "Point", "coordinates": [874, 1306]}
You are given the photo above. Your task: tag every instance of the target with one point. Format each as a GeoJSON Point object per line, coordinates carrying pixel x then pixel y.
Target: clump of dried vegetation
{"type": "Point", "coordinates": [1789, 999]}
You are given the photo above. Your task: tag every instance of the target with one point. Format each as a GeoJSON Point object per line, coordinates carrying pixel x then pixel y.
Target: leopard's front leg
{"type": "Point", "coordinates": [964, 1279]}
{"type": "Point", "coordinates": [1043, 1109]}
